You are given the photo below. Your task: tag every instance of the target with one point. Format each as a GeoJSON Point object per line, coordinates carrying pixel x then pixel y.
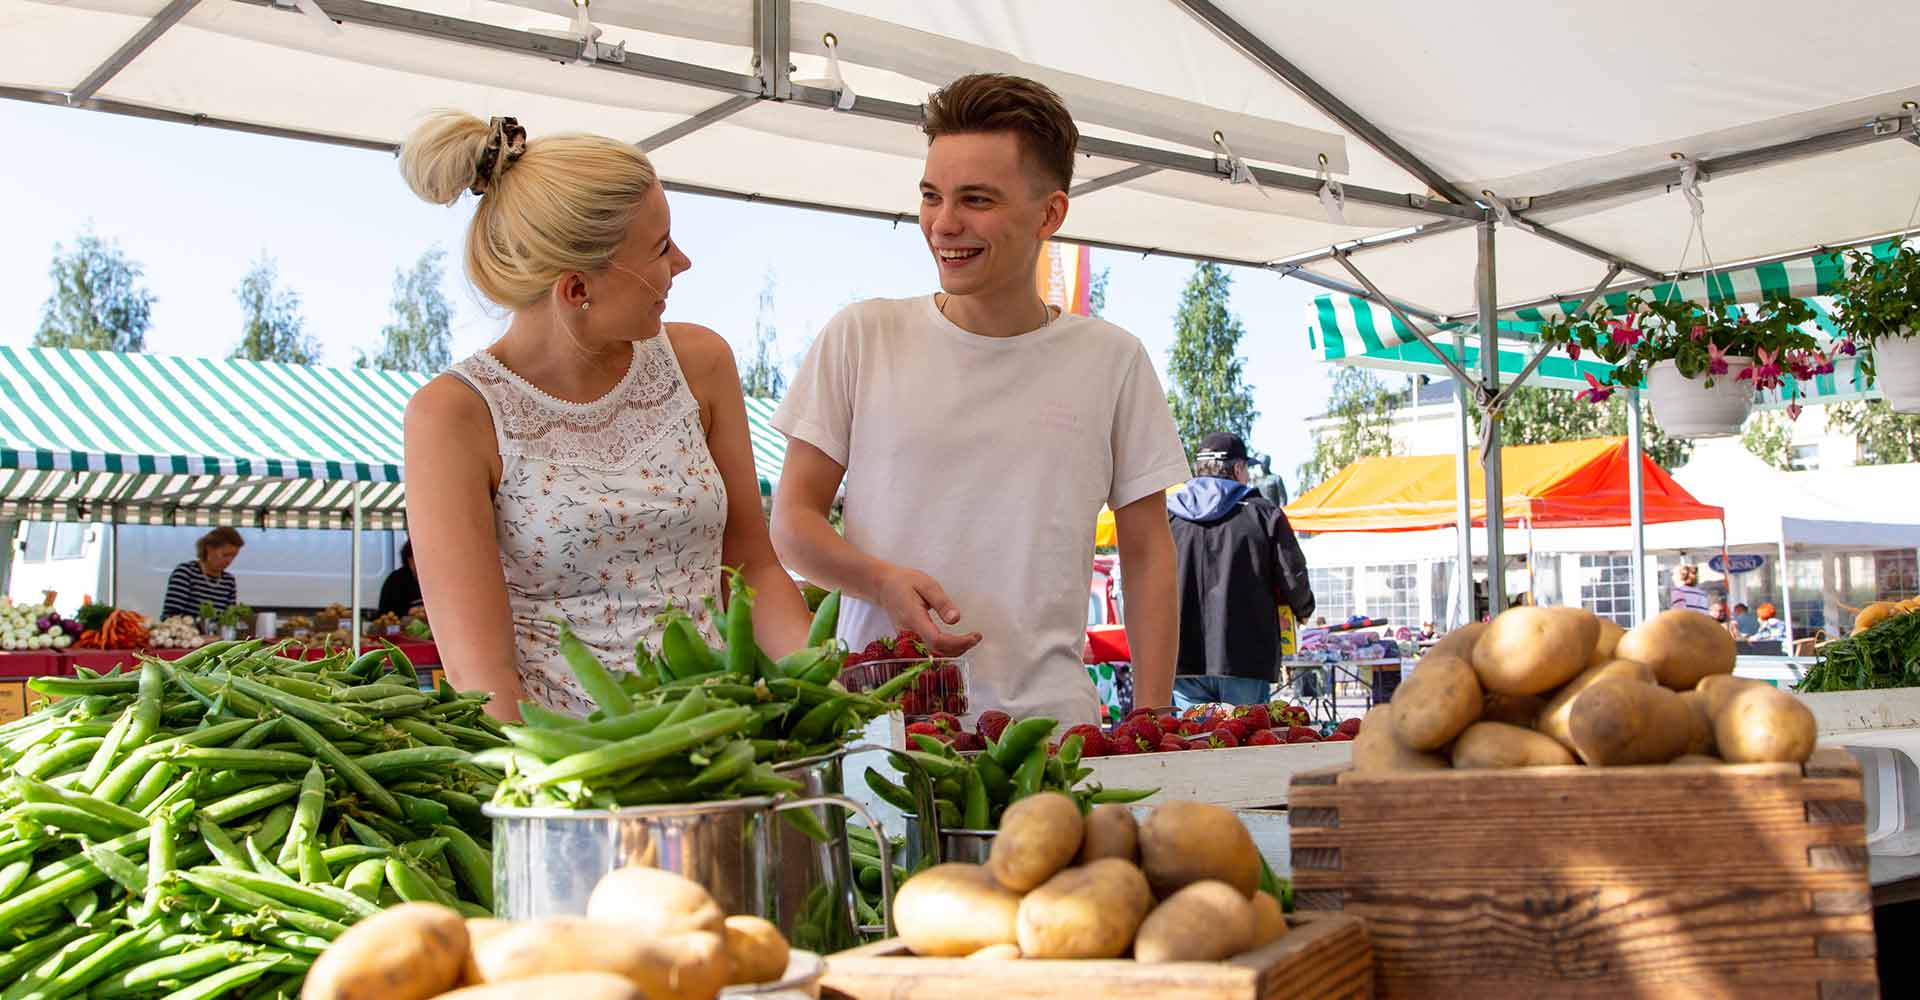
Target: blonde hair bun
{"type": "Point", "coordinates": [566, 207]}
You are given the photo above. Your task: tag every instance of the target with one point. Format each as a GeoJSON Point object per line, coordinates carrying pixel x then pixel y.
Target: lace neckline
{"type": "Point", "coordinates": [619, 388]}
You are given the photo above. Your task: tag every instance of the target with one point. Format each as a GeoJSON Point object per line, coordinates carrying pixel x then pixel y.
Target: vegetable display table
{"type": "Point", "coordinates": [16, 669]}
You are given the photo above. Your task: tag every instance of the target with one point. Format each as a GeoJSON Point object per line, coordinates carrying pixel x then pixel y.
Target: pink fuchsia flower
{"type": "Point", "coordinates": [1594, 392]}
{"type": "Point", "coordinates": [1626, 333]}
{"type": "Point", "coordinates": [1822, 365]}
{"type": "Point", "coordinates": [1843, 346]}
{"type": "Point", "coordinates": [1573, 350]}
{"type": "Point", "coordinates": [1716, 359]}
{"type": "Point", "coordinates": [1793, 410]}
{"type": "Point", "coordinates": [1699, 332]}
{"type": "Point", "coordinates": [1764, 375]}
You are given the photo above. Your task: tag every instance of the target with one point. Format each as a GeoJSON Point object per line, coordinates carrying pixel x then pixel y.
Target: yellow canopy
{"type": "Point", "coordinates": [1104, 534]}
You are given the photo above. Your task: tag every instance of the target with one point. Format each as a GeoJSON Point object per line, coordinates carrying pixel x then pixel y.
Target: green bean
{"type": "Point", "coordinates": [39, 791]}
{"type": "Point", "coordinates": [1122, 795]}
{"type": "Point", "coordinates": [1019, 738]}
{"type": "Point", "coordinates": [645, 720]}
{"type": "Point", "coordinates": [826, 619]}
{"type": "Point", "coordinates": [126, 874]}
{"type": "Point", "coordinates": [730, 763]}
{"type": "Point", "coordinates": [31, 953]}
{"type": "Point", "coordinates": [215, 650]}
{"type": "Point", "coordinates": [146, 708]}
{"type": "Point", "coordinates": [510, 759]}
{"type": "Point", "coordinates": [121, 779]}
{"type": "Point", "coordinates": [368, 835]}
{"type": "Point", "coordinates": [405, 667]}
{"type": "Point", "coordinates": [66, 818]}
{"type": "Point", "coordinates": [260, 733]}
{"type": "Point", "coordinates": [643, 749]}
{"type": "Point", "coordinates": [400, 704]}
{"type": "Point", "coordinates": [250, 801]}
{"type": "Point", "coordinates": [151, 786]}
{"type": "Point", "coordinates": [74, 687]}
{"type": "Point", "coordinates": [102, 961]}
{"type": "Point", "coordinates": [248, 900]}
{"type": "Point", "coordinates": [58, 758]}
{"type": "Point", "coordinates": [322, 899]}
{"type": "Point", "coordinates": [344, 766]}
{"type": "Point", "coordinates": [274, 827]}
{"type": "Point", "coordinates": [225, 851]}
{"type": "Point", "coordinates": [890, 792]}
{"type": "Point", "coordinates": [109, 748]}
{"type": "Point", "coordinates": [331, 718]}
{"type": "Point", "coordinates": [315, 690]}
{"type": "Point", "coordinates": [592, 674]}
{"type": "Point", "coordinates": [366, 878]}
{"type": "Point", "coordinates": [13, 874]}
{"type": "Point", "coordinates": [413, 886]}
{"type": "Point", "coordinates": [160, 862]}
{"type": "Point", "coordinates": [471, 863]}
{"type": "Point", "coordinates": [188, 965]}
{"type": "Point", "coordinates": [306, 816]}
{"type": "Point", "coordinates": [220, 758]}
{"type": "Point", "coordinates": [552, 744]}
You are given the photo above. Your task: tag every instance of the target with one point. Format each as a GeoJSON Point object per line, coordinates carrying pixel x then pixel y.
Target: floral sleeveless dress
{"type": "Point", "coordinates": [607, 513]}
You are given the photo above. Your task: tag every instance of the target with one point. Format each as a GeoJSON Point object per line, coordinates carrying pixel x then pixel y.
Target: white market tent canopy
{"type": "Point", "coordinates": [1312, 141]}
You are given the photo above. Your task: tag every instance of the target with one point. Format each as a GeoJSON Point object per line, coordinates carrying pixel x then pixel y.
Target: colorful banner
{"type": "Point", "coordinates": [1062, 276]}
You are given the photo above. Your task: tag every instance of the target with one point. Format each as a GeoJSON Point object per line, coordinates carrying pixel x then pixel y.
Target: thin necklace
{"type": "Point", "coordinates": [941, 300]}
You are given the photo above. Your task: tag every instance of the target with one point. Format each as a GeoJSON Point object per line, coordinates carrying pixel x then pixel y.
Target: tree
{"type": "Point", "coordinates": [763, 377]}
{"type": "Point", "coordinates": [97, 303]}
{"type": "Point", "coordinates": [1537, 415]}
{"type": "Point", "coordinates": [272, 327]}
{"type": "Point", "coordinates": [1769, 436]}
{"type": "Point", "coordinates": [1884, 437]}
{"type": "Point", "coordinates": [418, 337]}
{"type": "Point", "coordinates": [1097, 293]}
{"type": "Point", "coordinates": [1207, 393]}
{"type": "Point", "coordinates": [1361, 408]}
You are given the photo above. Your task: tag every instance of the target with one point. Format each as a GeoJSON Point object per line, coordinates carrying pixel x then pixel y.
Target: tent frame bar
{"type": "Point", "coordinates": [130, 50]}
{"type": "Point", "coordinates": [1480, 393]}
{"type": "Point", "coordinates": [1499, 401]}
{"type": "Point", "coordinates": [719, 112]}
{"type": "Point", "coordinates": [772, 47]}
{"type": "Point", "coordinates": [1132, 173]}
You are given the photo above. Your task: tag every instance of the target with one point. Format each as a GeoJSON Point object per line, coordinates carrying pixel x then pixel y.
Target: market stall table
{"type": "Point", "coordinates": [16, 669]}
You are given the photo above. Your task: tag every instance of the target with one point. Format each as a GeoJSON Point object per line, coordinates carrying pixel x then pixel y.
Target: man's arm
{"type": "Point", "coordinates": [1293, 587]}
{"type": "Point", "coordinates": [806, 541]}
{"type": "Point", "coordinates": [1153, 609]}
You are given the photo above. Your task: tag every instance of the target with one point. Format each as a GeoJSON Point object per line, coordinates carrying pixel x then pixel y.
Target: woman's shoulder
{"type": "Point", "coordinates": [701, 349]}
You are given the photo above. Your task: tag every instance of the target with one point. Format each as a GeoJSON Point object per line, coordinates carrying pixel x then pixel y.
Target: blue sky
{"type": "Point", "coordinates": [195, 206]}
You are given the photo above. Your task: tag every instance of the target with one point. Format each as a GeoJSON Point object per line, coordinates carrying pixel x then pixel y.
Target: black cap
{"type": "Point", "coordinates": [1223, 445]}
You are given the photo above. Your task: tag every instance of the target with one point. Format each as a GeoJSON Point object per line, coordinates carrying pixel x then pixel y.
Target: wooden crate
{"type": "Point", "coordinates": [1325, 957]}
{"type": "Point", "coordinates": [1238, 778]}
{"type": "Point", "coordinates": [1745, 880]}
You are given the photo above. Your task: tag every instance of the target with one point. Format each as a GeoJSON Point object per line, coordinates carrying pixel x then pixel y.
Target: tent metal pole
{"type": "Point", "coordinates": [689, 126]}
{"type": "Point", "coordinates": [1463, 493]}
{"type": "Point", "coordinates": [1480, 392]}
{"type": "Point", "coordinates": [1532, 596]}
{"type": "Point", "coordinates": [113, 564]}
{"type": "Point", "coordinates": [1123, 176]}
{"type": "Point", "coordinates": [772, 47]}
{"type": "Point", "coordinates": [1488, 294]}
{"type": "Point", "coordinates": [130, 50]}
{"type": "Point", "coordinates": [1637, 505]}
{"type": "Point", "coordinates": [1786, 591]}
{"type": "Point", "coordinates": [1500, 400]}
{"type": "Point", "coordinates": [1336, 285]}
{"type": "Point", "coordinates": [354, 559]}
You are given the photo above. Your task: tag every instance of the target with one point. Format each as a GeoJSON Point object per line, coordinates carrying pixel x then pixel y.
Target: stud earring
{"type": "Point", "coordinates": [583, 305]}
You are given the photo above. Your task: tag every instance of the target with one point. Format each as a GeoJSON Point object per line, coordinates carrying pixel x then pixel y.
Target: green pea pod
{"type": "Point", "coordinates": [645, 674]}
{"type": "Point", "coordinates": [729, 764]}
{"type": "Point", "coordinates": [762, 779]}
{"type": "Point", "coordinates": [1020, 738]}
{"type": "Point", "coordinates": [1055, 775]}
{"type": "Point", "coordinates": [938, 767]}
{"type": "Point", "coordinates": [743, 653]}
{"type": "Point", "coordinates": [592, 674]}
{"type": "Point", "coordinates": [1070, 749]}
{"type": "Point", "coordinates": [813, 725]}
{"type": "Point", "coordinates": [897, 683]}
{"type": "Point", "coordinates": [934, 746]}
{"type": "Point", "coordinates": [974, 812]}
{"type": "Point", "coordinates": [890, 792]}
{"type": "Point", "coordinates": [826, 619]}
{"type": "Point", "coordinates": [685, 652]}
{"type": "Point", "coordinates": [998, 783]}
{"type": "Point", "coordinates": [949, 814]}
{"type": "Point", "coordinates": [808, 824]}
{"type": "Point", "coordinates": [1026, 777]}
{"type": "Point", "coordinates": [1123, 795]}
{"type": "Point", "coordinates": [828, 667]}
{"type": "Point", "coordinates": [949, 788]}
{"type": "Point", "coordinates": [690, 707]}
{"type": "Point", "coordinates": [715, 612]}
{"type": "Point", "coordinates": [797, 663]}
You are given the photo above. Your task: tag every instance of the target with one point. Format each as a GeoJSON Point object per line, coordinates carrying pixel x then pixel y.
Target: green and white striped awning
{"type": "Point", "coordinates": [158, 439]}
{"type": "Point", "coordinates": [769, 445]}
{"type": "Point", "coordinates": [1348, 330]}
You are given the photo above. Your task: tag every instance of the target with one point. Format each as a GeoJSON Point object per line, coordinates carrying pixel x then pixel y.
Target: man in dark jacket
{"type": "Point", "coordinates": [1237, 563]}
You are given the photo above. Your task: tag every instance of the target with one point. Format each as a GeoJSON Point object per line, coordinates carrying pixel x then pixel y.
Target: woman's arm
{"type": "Point", "coordinates": [780, 617]}
{"type": "Point", "coordinates": [451, 471]}
{"type": "Point", "coordinates": [179, 599]}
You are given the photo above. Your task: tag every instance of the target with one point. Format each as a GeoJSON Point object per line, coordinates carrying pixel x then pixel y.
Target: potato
{"type": "Point", "coordinates": [1719, 689]}
{"type": "Point", "coordinates": [1496, 744]}
{"type": "Point", "coordinates": [1091, 911]}
{"type": "Point", "coordinates": [1459, 642]}
{"type": "Point", "coordinates": [1376, 749]}
{"type": "Point", "coordinates": [1531, 650]}
{"type": "Point", "coordinates": [1521, 710]}
{"type": "Point", "coordinates": [756, 951]}
{"type": "Point", "coordinates": [1204, 922]}
{"type": "Point", "coordinates": [1269, 923]}
{"type": "Point", "coordinates": [1111, 833]}
{"type": "Point", "coordinates": [568, 985]}
{"type": "Point", "coordinates": [410, 952]}
{"type": "Point", "coordinates": [955, 909]}
{"type": "Point", "coordinates": [997, 953]}
{"type": "Point", "coordinates": [480, 930]}
{"type": "Point", "coordinates": [1439, 699]}
{"type": "Point", "coordinates": [1681, 646]}
{"type": "Point", "coordinates": [1700, 736]}
{"type": "Point", "coordinates": [1039, 835]}
{"type": "Point", "coordinates": [1619, 721]}
{"type": "Point", "coordinates": [1695, 760]}
{"type": "Point", "coordinates": [1553, 719]}
{"type": "Point", "coordinates": [1186, 842]}
{"type": "Point", "coordinates": [1763, 724]}
{"type": "Point", "coordinates": [1606, 648]}
{"type": "Point", "coordinates": [650, 902]}
{"type": "Point", "coordinates": [1873, 614]}
{"type": "Point", "coordinates": [687, 966]}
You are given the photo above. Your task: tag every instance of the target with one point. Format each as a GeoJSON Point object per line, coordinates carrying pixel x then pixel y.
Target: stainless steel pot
{"type": "Point", "coordinates": [971, 846]}
{"type": "Point", "coordinates": [547, 861]}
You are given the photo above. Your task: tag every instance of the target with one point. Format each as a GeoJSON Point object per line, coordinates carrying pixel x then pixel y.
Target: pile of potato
{"type": "Point", "coordinates": [1544, 686]}
{"type": "Point", "coordinates": [1182, 886]}
{"type": "Point", "coordinates": [1879, 611]}
{"type": "Point", "coordinates": [648, 935]}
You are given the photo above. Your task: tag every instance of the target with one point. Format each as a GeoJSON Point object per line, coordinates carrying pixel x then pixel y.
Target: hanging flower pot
{"type": "Point", "coordinates": [1896, 370]}
{"type": "Point", "coordinates": [1688, 407]}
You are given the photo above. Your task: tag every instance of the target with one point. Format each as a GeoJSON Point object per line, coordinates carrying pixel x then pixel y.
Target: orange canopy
{"type": "Point", "coordinates": [1575, 484]}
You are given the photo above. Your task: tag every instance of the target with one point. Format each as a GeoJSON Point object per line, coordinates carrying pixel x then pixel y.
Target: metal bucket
{"type": "Point", "coordinates": [971, 846]}
{"type": "Point", "coordinates": [812, 893]}
{"type": "Point", "coordinates": [547, 861]}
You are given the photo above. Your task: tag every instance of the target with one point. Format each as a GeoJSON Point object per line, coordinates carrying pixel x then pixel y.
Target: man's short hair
{"type": "Point", "coordinates": [996, 102]}
{"type": "Point", "coordinates": [1218, 468]}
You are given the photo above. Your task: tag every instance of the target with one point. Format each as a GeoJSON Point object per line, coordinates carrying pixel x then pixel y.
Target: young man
{"type": "Point", "coordinates": [1238, 563]}
{"type": "Point", "coordinates": [979, 431]}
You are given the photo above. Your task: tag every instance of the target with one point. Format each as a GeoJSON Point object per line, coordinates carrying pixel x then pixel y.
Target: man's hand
{"type": "Point", "coordinates": [914, 600]}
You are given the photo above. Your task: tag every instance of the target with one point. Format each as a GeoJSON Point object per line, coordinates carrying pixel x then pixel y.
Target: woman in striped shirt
{"type": "Point", "coordinates": [205, 580]}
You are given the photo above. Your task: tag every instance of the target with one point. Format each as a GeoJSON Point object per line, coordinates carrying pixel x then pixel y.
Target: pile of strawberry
{"type": "Point", "coordinates": [1145, 731]}
{"type": "Point", "coordinates": [941, 690]}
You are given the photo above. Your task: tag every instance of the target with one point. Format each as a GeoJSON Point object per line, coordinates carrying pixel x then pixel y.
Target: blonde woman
{"type": "Point", "coordinates": [593, 463]}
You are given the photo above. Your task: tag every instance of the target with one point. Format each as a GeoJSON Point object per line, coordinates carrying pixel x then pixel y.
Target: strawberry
{"type": "Point", "coordinates": [1304, 739]}
{"type": "Point", "coordinates": [1339, 737]}
{"type": "Point", "coordinates": [1223, 738]}
{"type": "Point", "coordinates": [1263, 738]}
{"type": "Point", "coordinates": [968, 742]}
{"type": "Point", "coordinates": [1189, 729]}
{"type": "Point", "coordinates": [1143, 734]}
{"type": "Point", "coordinates": [1140, 713]}
{"type": "Point", "coordinates": [924, 729]}
{"type": "Point", "coordinates": [1258, 715]}
{"type": "Point", "coordinates": [948, 677]}
{"type": "Point", "coordinates": [1349, 726]}
{"type": "Point", "coordinates": [1241, 729]}
{"type": "Point", "coordinates": [1210, 724]}
{"type": "Point", "coordinates": [1121, 747]}
{"type": "Point", "coordinates": [957, 704]}
{"type": "Point", "coordinates": [878, 649]}
{"type": "Point", "coordinates": [853, 660]}
{"type": "Point", "coordinates": [1302, 734]}
{"type": "Point", "coordinates": [1098, 745]}
{"type": "Point", "coordinates": [1086, 731]}
{"type": "Point", "coordinates": [993, 722]}
{"type": "Point", "coordinates": [907, 642]}
{"type": "Point", "coordinates": [911, 704]}
{"type": "Point", "coordinates": [946, 723]}
{"type": "Point", "coordinates": [1172, 744]}
{"type": "Point", "coordinates": [1170, 725]}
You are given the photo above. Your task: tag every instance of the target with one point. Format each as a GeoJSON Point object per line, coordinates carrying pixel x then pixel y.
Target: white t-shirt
{"type": "Point", "coordinates": [983, 462]}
